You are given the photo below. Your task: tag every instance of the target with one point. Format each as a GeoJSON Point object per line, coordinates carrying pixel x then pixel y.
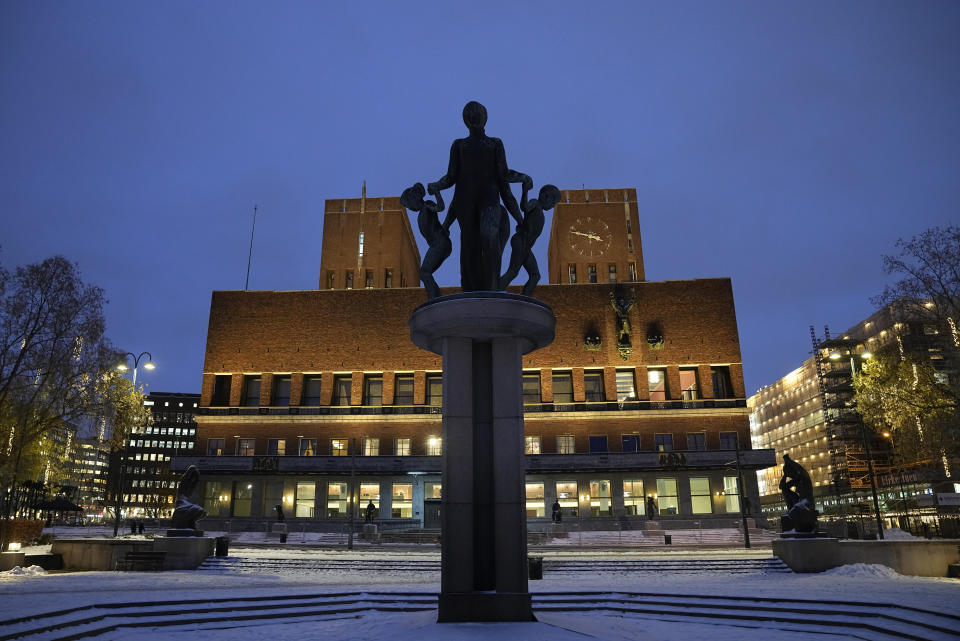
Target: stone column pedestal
{"type": "Point", "coordinates": [482, 337]}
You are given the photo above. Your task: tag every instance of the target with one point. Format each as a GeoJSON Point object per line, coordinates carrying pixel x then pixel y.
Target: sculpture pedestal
{"type": "Point", "coordinates": [482, 337]}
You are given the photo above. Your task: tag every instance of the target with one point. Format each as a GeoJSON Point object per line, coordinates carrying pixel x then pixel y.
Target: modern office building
{"type": "Point", "coordinates": [150, 487]}
{"type": "Point", "coordinates": [318, 402]}
{"type": "Point", "coordinates": [91, 458]}
{"type": "Point", "coordinates": [810, 415]}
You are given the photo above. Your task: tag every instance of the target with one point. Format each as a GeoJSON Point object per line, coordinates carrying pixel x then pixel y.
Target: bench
{"type": "Point", "coordinates": [142, 561]}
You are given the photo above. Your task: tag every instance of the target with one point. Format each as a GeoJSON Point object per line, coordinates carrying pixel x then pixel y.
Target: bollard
{"type": "Point", "coordinates": [667, 539]}
{"type": "Point", "coordinates": [222, 545]}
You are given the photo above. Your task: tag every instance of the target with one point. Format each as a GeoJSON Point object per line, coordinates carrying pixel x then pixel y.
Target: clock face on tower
{"type": "Point", "coordinates": [589, 236]}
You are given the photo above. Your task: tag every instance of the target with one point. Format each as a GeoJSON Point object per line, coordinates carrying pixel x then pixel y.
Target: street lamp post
{"type": "Point", "coordinates": [741, 494]}
{"type": "Point", "coordinates": [118, 503]}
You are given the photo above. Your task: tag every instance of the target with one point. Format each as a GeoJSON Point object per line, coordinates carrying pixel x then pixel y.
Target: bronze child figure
{"type": "Point", "coordinates": [521, 244]}
{"type": "Point", "coordinates": [436, 235]}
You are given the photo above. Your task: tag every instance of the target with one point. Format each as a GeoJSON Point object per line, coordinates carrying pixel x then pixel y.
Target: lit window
{"type": "Point", "coordinates": [339, 447]}
{"type": "Point", "coordinates": [342, 388]}
{"type": "Point", "coordinates": [731, 495]}
{"type": "Point", "coordinates": [657, 379]}
{"type": "Point", "coordinates": [633, 499]}
{"type": "Point", "coordinates": [689, 384]}
{"type": "Point", "coordinates": [305, 501]}
{"type": "Point", "coordinates": [666, 497]}
{"type": "Point", "coordinates": [276, 447]}
{"type": "Point", "coordinates": [371, 446]}
{"type": "Point", "coordinates": [531, 445]}
{"type": "Point", "coordinates": [402, 504]}
{"type": "Point", "coordinates": [401, 447]}
{"type": "Point", "coordinates": [626, 385]}
{"type": "Point", "coordinates": [600, 504]}
{"type": "Point", "coordinates": [308, 447]}
{"type": "Point", "coordinates": [568, 497]}
{"type": "Point", "coordinates": [245, 446]}
{"type": "Point", "coordinates": [612, 273]}
{"type": "Point", "coordinates": [700, 500]}
{"type": "Point", "coordinates": [535, 500]}
{"type": "Point", "coordinates": [337, 496]}
{"type": "Point", "coordinates": [566, 444]}
{"type": "Point", "coordinates": [434, 446]}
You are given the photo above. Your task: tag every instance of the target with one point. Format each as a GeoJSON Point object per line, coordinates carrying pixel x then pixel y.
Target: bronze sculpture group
{"type": "Point", "coordinates": [478, 168]}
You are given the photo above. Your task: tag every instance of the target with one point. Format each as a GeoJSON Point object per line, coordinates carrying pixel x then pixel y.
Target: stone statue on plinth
{"type": "Point", "coordinates": [482, 334]}
{"type": "Point", "coordinates": [797, 491]}
{"type": "Point", "coordinates": [186, 514]}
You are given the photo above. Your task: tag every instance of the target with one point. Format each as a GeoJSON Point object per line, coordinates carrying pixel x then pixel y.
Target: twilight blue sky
{"type": "Point", "coordinates": [786, 145]}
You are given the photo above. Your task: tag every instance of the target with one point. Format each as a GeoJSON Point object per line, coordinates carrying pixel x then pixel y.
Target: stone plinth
{"type": "Point", "coordinates": [917, 557]}
{"type": "Point", "coordinates": [10, 560]}
{"type": "Point", "coordinates": [182, 553]}
{"type": "Point", "coordinates": [482, 337]}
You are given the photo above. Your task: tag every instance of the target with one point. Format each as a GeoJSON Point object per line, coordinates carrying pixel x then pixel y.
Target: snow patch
{"type": "Point", "coordinates": [33, 570]}
{"type": "Point", "coordinates": [896, 534]}
{"type": "Point", "coordinates": [865, 570]}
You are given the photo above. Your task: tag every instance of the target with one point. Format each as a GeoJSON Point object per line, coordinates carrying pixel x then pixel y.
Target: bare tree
{"type": "Point", "coordinates": [901, 392]}
{"type": "Point", "coordinates": [928, 266]}
{"type": "Point", "coordinates": [56, 364]}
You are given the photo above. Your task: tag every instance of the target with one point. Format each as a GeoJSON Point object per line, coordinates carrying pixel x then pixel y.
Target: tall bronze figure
{"type": "Point", "coordinates": [478, 168]}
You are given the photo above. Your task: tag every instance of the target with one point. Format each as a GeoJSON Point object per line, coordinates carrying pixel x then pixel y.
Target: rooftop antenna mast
{"type": "Point", "coordinates": [246, 285]}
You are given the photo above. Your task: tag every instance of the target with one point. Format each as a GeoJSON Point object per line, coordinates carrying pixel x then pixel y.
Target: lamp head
{"type": "Point", "coordinates": [122, 367]}
{"type": "Point", "coordinates": [149, 365]}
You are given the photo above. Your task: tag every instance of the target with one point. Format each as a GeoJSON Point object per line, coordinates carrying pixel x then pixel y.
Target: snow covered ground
{"type": "Point", "coordinates": [34, 592]}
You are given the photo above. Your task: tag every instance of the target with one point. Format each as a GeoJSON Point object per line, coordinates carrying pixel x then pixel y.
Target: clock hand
{"type": "Point", "coordinates": [585, 235]}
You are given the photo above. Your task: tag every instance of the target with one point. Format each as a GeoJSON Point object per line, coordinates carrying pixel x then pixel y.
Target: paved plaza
{"type": "Point", "coordinates": [307, 592]}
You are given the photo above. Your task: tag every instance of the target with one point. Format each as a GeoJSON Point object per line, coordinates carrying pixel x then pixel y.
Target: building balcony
{"type": "Point", "coordinates": [536, 463]}
{"type": "Point", "coordinates": [534, 408]}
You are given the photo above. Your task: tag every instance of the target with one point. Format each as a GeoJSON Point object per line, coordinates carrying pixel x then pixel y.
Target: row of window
{"type": "Point", "coordinates": [370, 446]}
{"type": "Point", "coordinates": [238, 497]}
{"type": "Point", "coordinates": [571, 496]}
{"type": "Point", "coordinates": [611, 272]}
{"type": "Point", "coordinates": [562, 383]}
{"type": "Point", "coordinates": [161, 444]}
{"type": "Point", "coordinates": [368, 279]}
{"type": "Point", "coordinates": [664, 501]}
{"type": "Point", "coordinates": [566, 443]}
{"type": "Point", "coordinates": [338, 447]}
{"type": "Point", "coordinates": [342, 390]}
{"type": "Point", "coordinates": [165, 431]}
